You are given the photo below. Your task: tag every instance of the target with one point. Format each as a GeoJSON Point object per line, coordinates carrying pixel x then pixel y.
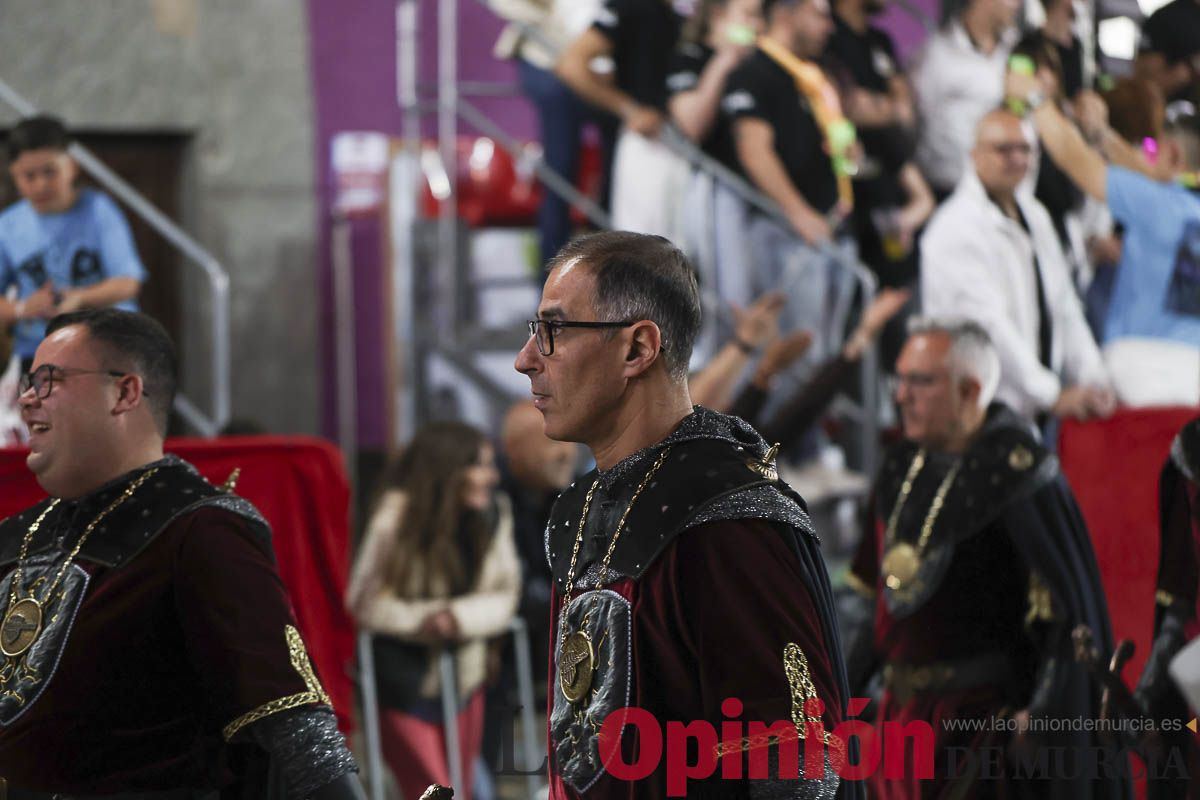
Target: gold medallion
{"type": "Point", "coordinates": [576, 666]}
{"type": "Point", "coordinates": [900, 564]}
{"type": "Point", "coordinates": [21, 627]}
{"type": "Point", "coordinates": [1020, 459]}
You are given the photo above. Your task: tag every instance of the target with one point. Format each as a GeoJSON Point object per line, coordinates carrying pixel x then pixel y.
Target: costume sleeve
{"type": "Point", "coordinates": [374, 605]}
{"type": "Point", "coordinates": [750, 619]}
{"type": "Point", "coordinates": [1175, 595]}
{"type": "Point", "coordinates": [959, 278]}
{"type": "Point", "coordinates": [237, 623]}
{"type": "Point", "coordinates": [118, 253]}
{"type": "Point", "coordinates": [1178, 572]}
{"type": "Point", "coordinates": [489, 609]}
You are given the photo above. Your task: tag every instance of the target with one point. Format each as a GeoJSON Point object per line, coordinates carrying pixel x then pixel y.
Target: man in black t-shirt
{"type": "Point", "coordinates": [638, 37]}
{"type": "Point", "coordinates": [891, 198]}
{"type": "Point", "coordinates": [782, 151]}
{"type": "Point", "coordinates": [1169, 53]}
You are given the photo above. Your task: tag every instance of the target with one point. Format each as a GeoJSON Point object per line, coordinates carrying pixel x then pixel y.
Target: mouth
{"type": "Point", "coordinates": [37, 427]}
{"type": "Point", "coordinates": [540, 400]}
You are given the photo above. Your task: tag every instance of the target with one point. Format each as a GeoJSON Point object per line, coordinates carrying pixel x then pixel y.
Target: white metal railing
{"type": "Point", "coordinates": [208, 424]}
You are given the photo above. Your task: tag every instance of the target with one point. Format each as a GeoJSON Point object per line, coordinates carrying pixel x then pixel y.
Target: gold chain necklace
{"type": "Point", "coordinates": [902, 561]}
{"type": "Point", "coordinates": [23, 621]}
{"type": "Point", "coordinates": [576, 657]}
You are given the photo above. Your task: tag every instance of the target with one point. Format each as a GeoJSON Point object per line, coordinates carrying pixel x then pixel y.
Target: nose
{"type": "Point", "coordinates": [528, 358]}
{"type": "Point", "coordinates": [28, 398]}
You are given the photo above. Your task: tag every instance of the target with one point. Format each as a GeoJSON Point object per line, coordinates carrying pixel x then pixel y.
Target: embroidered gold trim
{"type": "Point", "coordinates": [1041, 605]}
{"type": "Point", "coordinates": [860, 586]}
{"type": "Point", "coordinates": [315, 695]}
{"type": "Point", "coordinates": [1164, 598]}
{"type": "Point", "coordinates": [795, 666]}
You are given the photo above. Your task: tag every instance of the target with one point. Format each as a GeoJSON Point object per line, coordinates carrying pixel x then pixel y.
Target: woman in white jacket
{"type": "Point", "coordinates": [437, 570]}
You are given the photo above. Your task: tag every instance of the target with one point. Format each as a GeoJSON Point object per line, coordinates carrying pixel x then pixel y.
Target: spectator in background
{"type": "Point", "coordinates": [990, 254]}
{"type": "Point", "coordinates": [62, 247]}
{"type": "Point", "coordinates": [1135, 112]}
{"type": "Point", "coordinates": [717, 37]}
{"type": "Point", "coordinates": [957, 78]}
{"type": "Point", "coordinates": [1064, 51]}
{"type": "Point", "coordinates": [1169, 52]}
{"type": "Point", "coordinates": [785, 117]}
{"type": "Point", "coordinates": [1152, 331]}
{"type": "Point", "coordinates": [755, 335]}
{"type": "Point", "coordinates": [806, 407]}
{"type": "Point", "coordinates": [540, 30]}
{"type": "Point", "coordinates": [534, 469]}
{"type": "Point", "coordinates": [892, 201]}
{"type": "Point", "coordinates": [639, 36]}
{"type": "Point", "coordinates": [1062, 83]}
{"type": "Point", "coordinates": [436, 570]}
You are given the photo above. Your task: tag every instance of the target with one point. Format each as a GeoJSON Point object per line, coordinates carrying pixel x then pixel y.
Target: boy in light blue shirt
{"type": "Point", "coordinates": [63, 248]}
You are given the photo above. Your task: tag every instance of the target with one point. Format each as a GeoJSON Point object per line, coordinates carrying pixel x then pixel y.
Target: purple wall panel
{"type": "Point", "coordinates": [353, 62]}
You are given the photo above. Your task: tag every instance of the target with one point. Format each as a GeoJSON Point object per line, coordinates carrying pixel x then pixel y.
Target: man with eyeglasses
{"type": "Point", "coordinates": [973, 572]}
{"type": "Point", "coordinates": [148, 650]}
{"type": "Point", "coordinates": [687, 579]}
{"type": "Point", "coordinates": [991, 254]}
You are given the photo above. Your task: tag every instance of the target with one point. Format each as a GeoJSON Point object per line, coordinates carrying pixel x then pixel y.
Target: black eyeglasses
{"type": "Point", "coordinates": [543, 330]}
{"type": "Point", "coordinates": [1007, 149]}
{"type": "Point", "coordinates": [42, 379]}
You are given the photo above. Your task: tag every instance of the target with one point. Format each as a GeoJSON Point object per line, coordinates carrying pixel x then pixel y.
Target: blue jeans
{"type": "Point", "coordinates": [561, 115]}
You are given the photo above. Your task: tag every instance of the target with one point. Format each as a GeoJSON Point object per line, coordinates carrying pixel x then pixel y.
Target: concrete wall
{"type": "Point", "coordinates": [234, 74]}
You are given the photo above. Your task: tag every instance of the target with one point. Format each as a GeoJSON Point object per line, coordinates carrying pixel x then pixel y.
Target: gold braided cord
{"type": "Point", "coordinates": [315, 694]}
{"type": "Point", "coordinates": [267, 709]}
{"type": "Point", "coordinates": [795, 666]}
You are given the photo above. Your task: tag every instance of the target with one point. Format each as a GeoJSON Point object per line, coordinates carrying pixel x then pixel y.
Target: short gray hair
{"type": "Point", "coordinates": [639, 276]}
{"type": "Point", "coordinates": [972, 353]}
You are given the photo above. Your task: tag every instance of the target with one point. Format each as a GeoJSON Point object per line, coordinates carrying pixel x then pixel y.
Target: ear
{"type": "Point", "coordinates": [130, 394]}
{"type": "Point", "coordinates": [645, 342]}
